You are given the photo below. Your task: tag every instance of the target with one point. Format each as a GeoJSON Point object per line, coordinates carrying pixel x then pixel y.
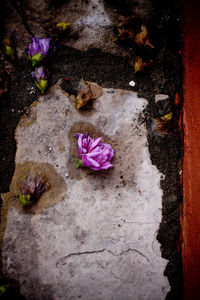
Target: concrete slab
{"type": "Point", "coordinates": [97, 238]}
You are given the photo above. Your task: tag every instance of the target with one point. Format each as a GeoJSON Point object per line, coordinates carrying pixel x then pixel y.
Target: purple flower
{"type": "Point", "coordinates": [93, 154]}
{"type": "Point", "coordinates": [40, 75]}
{"type": "Point", "coordinates": [40, 49]}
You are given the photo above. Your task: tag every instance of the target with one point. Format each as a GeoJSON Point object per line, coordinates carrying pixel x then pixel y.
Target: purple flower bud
{"type": "Point", "coordinates": [94, 154]}
{"type": "Point", "coordinates": [40, 49]}
{"type": "Point", "coordinates": [40, 75]}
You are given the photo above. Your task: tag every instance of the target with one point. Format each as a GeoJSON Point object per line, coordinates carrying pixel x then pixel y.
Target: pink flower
{"type": "Point", "coordinates": [93, 154]}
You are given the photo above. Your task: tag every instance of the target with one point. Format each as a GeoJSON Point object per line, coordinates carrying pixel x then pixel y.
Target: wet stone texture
{"type": "Point", "coordinates": [99, 240]}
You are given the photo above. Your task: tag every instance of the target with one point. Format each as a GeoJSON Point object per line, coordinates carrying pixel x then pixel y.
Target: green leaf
{"type": "Point", "coordinates": [79, 164]}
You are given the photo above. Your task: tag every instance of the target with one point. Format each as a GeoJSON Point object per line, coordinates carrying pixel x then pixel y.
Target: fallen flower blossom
{"type": "Point", "coordinates": [31, 189]}
{"type": "Point", "coordinates": [142, 38]}
{"type": "Point", "coordinates": [40, 49]}
{"type": "Point", "coordinates": [94, 154]}
{"type": "Point", "coordinates": [40, 76]}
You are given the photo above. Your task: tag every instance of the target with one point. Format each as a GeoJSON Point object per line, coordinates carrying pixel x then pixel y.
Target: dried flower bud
{"type": "Point", "coordinates": [31, 189]}
{"type": "Point", "coordinates": [8, 48]}
{"type": "Point", "coordinates": [142, 38]}
{"type": "Point", "coordinates": [40, 76]}
{"type": "Point", "coordinates": [40, 49]}
{"type": "Point", "coordinates": [94, 154]}
{"type": "Point", "coordinates": [63, 26]}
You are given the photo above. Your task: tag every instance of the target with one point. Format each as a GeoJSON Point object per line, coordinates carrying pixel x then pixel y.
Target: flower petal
{"type": "Point", "coordinates": [94, 144]}
{"type": "Point", "coordinates": [89, 162]}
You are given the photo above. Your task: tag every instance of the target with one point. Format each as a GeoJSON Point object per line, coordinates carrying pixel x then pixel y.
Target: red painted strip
{"type": "Point", "coordinates": [191, 153]}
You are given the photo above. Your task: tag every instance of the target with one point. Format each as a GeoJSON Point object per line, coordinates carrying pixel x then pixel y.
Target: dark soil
{"type": "Point", "coordinates": [164, 76]}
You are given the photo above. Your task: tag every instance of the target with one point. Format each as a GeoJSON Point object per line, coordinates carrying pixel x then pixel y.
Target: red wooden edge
{"type": "Point", "coordinates": [190, 219]}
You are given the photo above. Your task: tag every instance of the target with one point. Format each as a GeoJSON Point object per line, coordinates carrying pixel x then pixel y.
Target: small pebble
{"type": "Point", "coordinates": [66, 175]}
{"type": "Point", "coordinates": [161, 97]}
{"type": "Point", "coordinates": [132, 83]}
{"type": "Point", "coordinates": [50, 148]}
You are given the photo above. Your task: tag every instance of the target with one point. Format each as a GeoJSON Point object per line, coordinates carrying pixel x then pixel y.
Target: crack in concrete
{"type": "Point", "coordinates": [129, 222]}
{"type": "Point", "coordinates": [60, 260]}
{"type": "Point", "coordinates": [135, 250]}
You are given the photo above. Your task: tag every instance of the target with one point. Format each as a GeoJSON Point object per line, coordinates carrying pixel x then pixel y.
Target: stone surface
{"type": "Point", "coordinates": [97, 241]}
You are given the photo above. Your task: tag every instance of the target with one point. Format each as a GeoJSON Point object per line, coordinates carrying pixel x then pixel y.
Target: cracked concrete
{"type": "Point", "coordinates": [61, 260]}
{"type": "Point", "coordinates": [98, 241]}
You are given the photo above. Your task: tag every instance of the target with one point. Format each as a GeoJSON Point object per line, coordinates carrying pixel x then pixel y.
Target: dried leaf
{"type": "Point", "coordinates": [164, 123]}
{"type": "Point", "coordinates": [125, 30]}
{"type": "Point", "coordinates": [140, 65]}
{"type": "Point", "coordinates": [125, 34]}
{"type": "Point", "coordinates": [142, 38]}
{"type": "Point", "coordinates": [86, 92]}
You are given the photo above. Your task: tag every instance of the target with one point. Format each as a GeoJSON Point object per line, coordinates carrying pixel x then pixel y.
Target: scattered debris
{"type": "Point", "coordinates": [164, 123]}
{"type": "Point", "coordinates": [161, 97]}
{"type": "Point", "coordinates": [125, 30]}
{"type": "Point", "coordinates": [142, 38]}
{"type": "Point", "coordinates": [124, 34]}
{"type": "Point", "coordinates": [140, 65]}
{"type": "Point", "coordinates": [31, 188]}
{"type": "Point", "coordinates": [94, 154]}
{"type": "Point", "coordinates": [87, 91]}
{"type": "Point", "coordinates": [3, 82]}
{"type": "Point", "coordinates": [132, 83]}
{"type": "Point", "coordinates": [56, 30]}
